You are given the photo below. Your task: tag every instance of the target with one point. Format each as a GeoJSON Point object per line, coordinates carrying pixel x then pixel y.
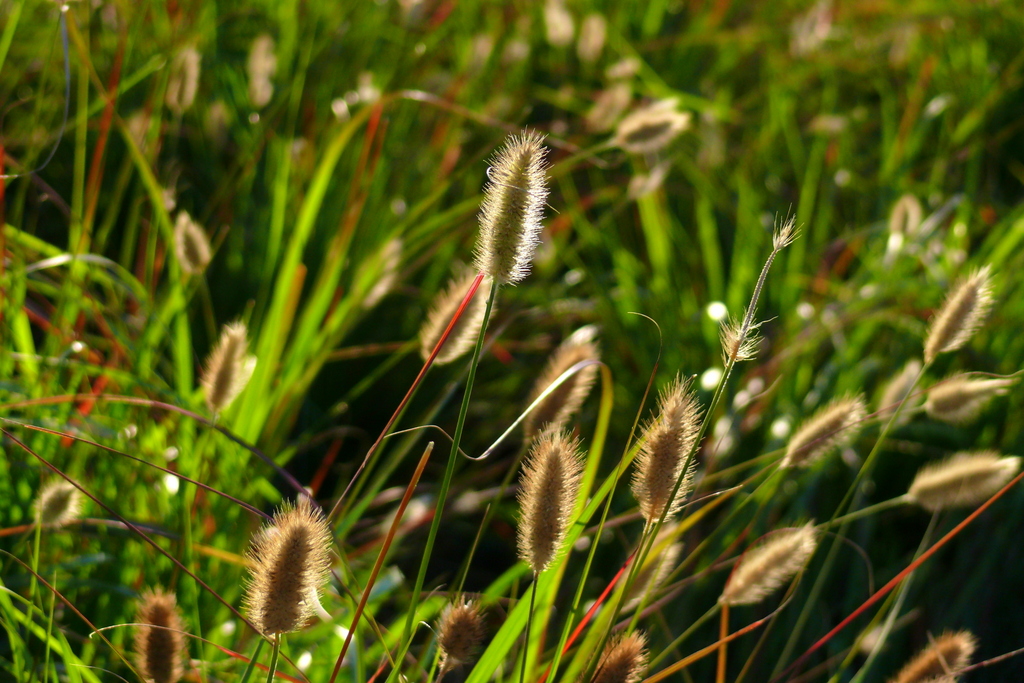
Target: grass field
{"type": "Point", "coordinates": [330, 159]}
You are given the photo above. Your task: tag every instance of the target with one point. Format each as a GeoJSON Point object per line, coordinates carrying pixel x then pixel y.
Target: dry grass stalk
{"type": "Point", "coordinates": [290, 564]}
{"type": "Point", "coordinates": [764, 568]}
{"type": "Point", "coordinates": [965, 479]}
{"type": "Point", "coordinates": [512, 208]}
{"type": "Point", "coordinates": [666, 442]}
{"type": "Point", "coordinates": [159, 651]}
{"type": "Point", "coordinates": [459, 634]}
{"type": "Point", "coordinates": [562, 403]}
{"type": "Point", "coordinates": [623, 661]}
{"type": "Point", "coordinates": [897, 390]}
{"type": "Point", "coordinates": [191, 244]}
{"type": "Point", "coordinates": [58, 503]}
{"type": "Point", "coordinates": [960, 399]}
{"type": "Point", "coordinates": [547, 493]}
{"type": "Point", "coordinates": [652, 128]}
{"type": "Point", "coordinates": [228, 368]}
{"type": "Point", "coordinates": [464, 335]}
{"type": "Point", "coordinates": [940, 661]}
{"type": "Point", "coordinates": [961, 314]}
{"type": "Point", "coordinates": [831, 427]}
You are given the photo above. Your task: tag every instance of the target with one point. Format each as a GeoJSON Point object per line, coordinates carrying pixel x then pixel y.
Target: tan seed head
{"type": "Point", "coordinates": [960, 399]}
{"type": "Point", "coordinates": [898, 389]}
{"type": "Point", "coordinates": [464, 335]}
{"type": "Point", "coordinates": [624, 660]}
{"type": "Point", "coordinates": [183, 82]}
{"type": "Point", "coordinates": [191, 245]}
{"type": "Point", "coordinates": [964, 480]}
{"type": "Point", "coordinates": [940, 661]}
{"type": "Point", "coordinates": [964, 310]}
{"type": "Point", "coordinates": [159, 652]}
{"type": "Point", "coordinates": [833, 426]}
{"type": "Point", "coordinates": [650, 129]}
{"type": "Point", "coordinates": [766, 567]}
{"type": "Point", "coordinates": [58, 503]}
{"type": "Point", "coordinates": [459, 634]}
{"type": "Point", "coordinates": [565, 400]}
{"type": "Point", "coordinates": [228, 368]}
{"type": "Point", "coordinates": [547, 493]}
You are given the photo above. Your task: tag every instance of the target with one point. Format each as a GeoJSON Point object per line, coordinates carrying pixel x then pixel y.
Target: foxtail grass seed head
{"type": "Point", "coordinates": [512, 208]}
{"type": "Point", "coordinates": [464, 335]}
{"type": "Point", "coordinates": [608, 106]}
{"type": "Point", "coordinates": [959, 400]}
{"type": "Point", "coordinates": [261, 67]}
{"type": "Point", "coordinates": [59, 503]}
{"type": "Point", "coordinates": [964, 480]}
{"type": "Point", "coordinates": [665, 444]}
{"type": "Point", "coordinates": [290, 561]}
{"type": "Point", "coordinates": [159, 652]}
{"type": "Point", "coordinates": [652, 128]}
{"type": "Point", "coordinates": [562, 403]}
{"type": "Point", "coordinates": [834, 426]}
{"type": "Point", "coordinates": [593, 32]}
{"type": "Point", "coordinates": [940, 661]}
{"type": "Point", "coordinates": [785, 234]}
{"type": "Point", "coordinates": [558, 23]}
{"type": "Point", "coordinates": [547, 493]}
{"type": "Point", "coordinates": [739, 345]}
{"type": "Point", "coordinates": [624, 660]}
{"type": "Point", "coordinates": [459, 634]}
{"type": "Point", "coordinates": [183, 82]}
{"type": "Point", "coordinates": [190, 244]}
{"type": "Point", "coordinates": [898, 389]}
{"type": "Point", "coordinates": [964, 310]}
{"type": "Point", "coordinates": [228, 368]}
{"type": "Point", "coordinates": [765, 568]}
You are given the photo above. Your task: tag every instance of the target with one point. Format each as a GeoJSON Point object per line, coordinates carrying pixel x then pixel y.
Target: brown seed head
{"type": "Point", "coordinates": [512, 208]}
{"type": "Point", "coordinates": [964, 310]}
{"type": "Point", "coordinates": [624, 660]}
{"type": "Point", "coordinates": [764, 568]}
{"type": "Point", "coordinates": [650, 129]}
{"type": "Point", "coordinates": [960, 399]}
{"type": "Point", "coordinates": [159, 651]}
{"type": "Point", "coordinates": [466, 330]}
{"type": "Point", "coordinates": [191, 245]}
{"type": "Point", "coordinates": [290, 564]}
{"type": "Point", "coordinates": [940, 661]}
{"type": "Point", "coordinates": [228, 368]}
{"type": "Point", "coordinates": [833, 426]}
{"type": "Point", "coordinates": [562, 403]}
{"type": "Point", "coordinates": [666, 442]}
{"type": "Point", "coordinates": [547, 493]}
{"type": "Point", "coordinates": [59, 502]}
{"type": "Point", "coordinates": [965, 479]}
{"type": "Point", "coordinates": [459, 634]}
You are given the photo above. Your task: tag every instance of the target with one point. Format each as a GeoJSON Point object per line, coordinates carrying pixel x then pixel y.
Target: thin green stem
{"type": "Point", "coordinates": [529, 622]}
{"type": "Point", "coordinates": [272, 670]}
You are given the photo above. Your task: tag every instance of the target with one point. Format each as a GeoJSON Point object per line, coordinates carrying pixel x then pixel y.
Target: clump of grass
{"type": "Point", "coordinates": [831, 427]}
{"type": "Point", "coordinates": [547, 493]}
{"type": "Point", "coordinates": [460, 632]}
{"type": "Point", "coordinates": [290, 563]}
{"type": "Point", "coordinates": [467, 328]}
{"type": "Point", "coordinates": [940, 661]}
{"type": "Point", "coordinates": [961, 314]}
{"type": "Point", "coordinates": [960, 399]}
{"type": "Point", "coordinates": [228, 368]}
{"type": "Point", "coordinates": [159, 652]}
{"type": "Point", "coordinates": [58, 503]}
{"type": "Point", "coordinates": [764, 568]}
{"type": "Point", "coordinates": [652, 128]}
{"type": "Point", "coordinates": [191, 244]}
{"type": "Point", "coordinates": [964, 479]}
{"type": "Point", "coordinates": [562, 403]}
{"type": "Point", "coordinates": [624, 660]}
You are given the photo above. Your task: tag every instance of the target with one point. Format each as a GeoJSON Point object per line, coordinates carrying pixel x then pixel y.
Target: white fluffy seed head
{"type": "Point", "coordinates": [964, 310]}
{"type": "Point", "coordinates": [833, 426]}
{"type": "Point", "coordinates": [965, 479]}
{"type": "Point", "coordinates": [766, 567]}
{"type": "Point", "coordinates": [960, 399]}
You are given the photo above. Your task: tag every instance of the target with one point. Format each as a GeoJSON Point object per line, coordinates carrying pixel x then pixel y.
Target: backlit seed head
{"type": "Point", "coordinates": [159, 652]}
{"type": "Point", "coordinates": [562, 403]}
{"type": "Point", "coordinates": [650, 129]}
{"type": "Point", "coordinates": [464, 335]}
{"type": "Point", "coordinates": [624, 660]}
{"type": "Point", "coordinates": [183, 81]}
{"type": "Point", "coordinates": [965, 479]}
{"type": "Point", "coordinates": [290, 562]}
{"type": "Point", "coordinates": [547, 493]}
{"type": "Point", "coordinates": [512, 208]}
{"type": "Point", "coordinates": [964, 310]}
{"type": "Point", "coordinates": [59, 502]}
{"type": "Point", "coordinates": [191, 245]}
{"type": "Point", "coordinates": [739, 344]}
{"type": "Point", "coordinates": [940, 661]}
{"type": "Point", "coordinates": [833, 426]}
{"type": "Point", "coordinates": [766, 567]}
{"type": "Point", "coordinates": [960, 399]}
{"type": "Point", "coordinates": [665, 445]}
{"type": "Point", "coordinates": [593, 32]}
{"type": "Point", "coordinates": [785, 234]}
{"type": "Point", "coordinates": [459, 634]}
{"type": "Point", "coordinates": [228, 368]}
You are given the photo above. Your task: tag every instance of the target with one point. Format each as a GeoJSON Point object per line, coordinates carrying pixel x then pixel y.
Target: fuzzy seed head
{"type": "Point", "coordinates": [833, 426]}
{"type": "Point", "coordinates": [464, 335]}
{"type": "Point", "coordinates": [940, 661]}
{"type": "Point", "coordinates": [593, 32]}
{"type": "Point", "coordinates": [562, 403]}
{"type": "Point", "coordinates": [290, 565]}
{"type": "Point", "coordinates": [547, 493]}
{"type": "Point", "coordinates": [183, 82]}
{"type": "Point", "coordinates": [608, 106]}
{"type": "Point", "coordinates": [190, 244]}
{"type": "Point", "coordinates": [964, 310]}
{"type": "Point", "coordinates": [650, 129]}
{"type": "Point", "coordinates": [739, 345]}
{"type": "Point", "coordinates": [228, 368]}
{"type": "Point", "coordinates": [261, 67]}
{"type": "Point", "coordinates": [59, 503]}
{"type": "Point", "coordinates": [459, 634]}
{"type": "Point", "coordinates": [512, 208]}
{"type": "Point", "coordinates": [784, 234]}
{"type": "Point", "coordinates": [960, 399]}
{"type": "Point", "coordinates": [159, 652]}
{"type": "Point", "coordinates": [666, 442]}
{"type": "Point", "coordinates": [624, 660]}
{"type": "Point", "coordinates": [898, 389]}
{"type": "Point", "coordinates": [766, 567]}
{"type": "Point", "coordinates": [965, 479]}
